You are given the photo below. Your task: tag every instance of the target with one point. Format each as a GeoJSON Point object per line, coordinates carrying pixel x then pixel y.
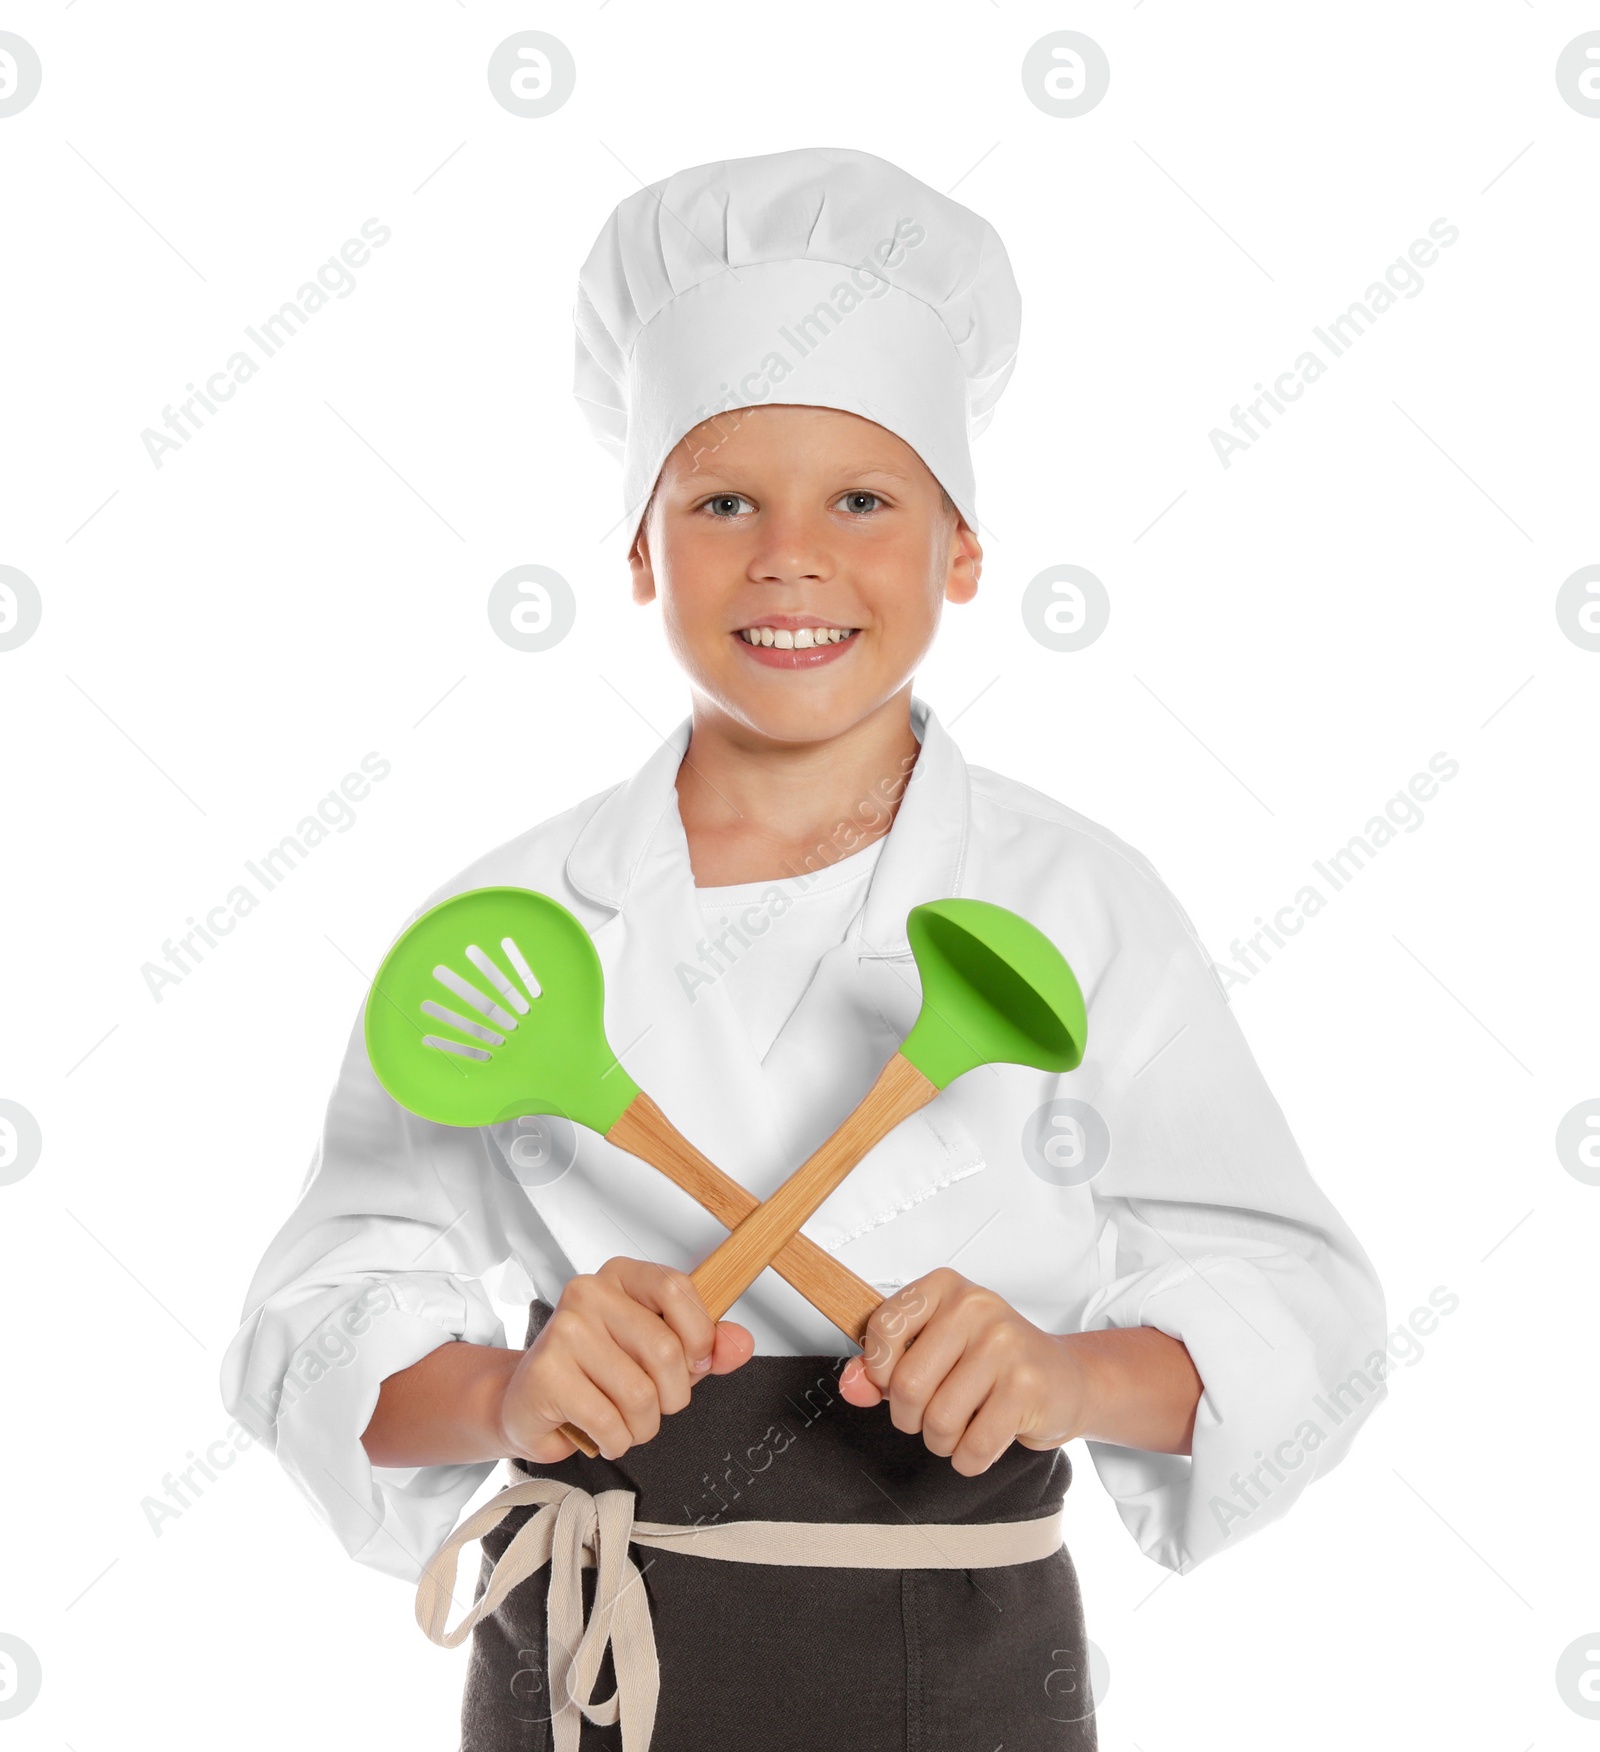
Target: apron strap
{"type": "Point", "coordinates": [863, 1544]}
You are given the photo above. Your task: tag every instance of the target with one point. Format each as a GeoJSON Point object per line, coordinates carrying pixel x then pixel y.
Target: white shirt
{"type": "Point", "coordinates": [764, 940]}
{"type": "Point", "coordinates": [1203, 1221]}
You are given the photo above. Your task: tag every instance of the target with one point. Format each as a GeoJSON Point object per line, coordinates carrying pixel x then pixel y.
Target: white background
{"type": "Point", "coordinates": [1291, 639]}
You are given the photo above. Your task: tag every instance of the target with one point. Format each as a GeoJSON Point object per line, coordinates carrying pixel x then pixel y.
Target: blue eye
{"type": "Point", "coordinates": [724, 499]}
{"type": "Point", "coordinates": [859, 510]}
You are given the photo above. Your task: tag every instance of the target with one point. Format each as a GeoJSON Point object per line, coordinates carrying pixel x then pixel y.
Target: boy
{"type": "Point", "coordinates": [1144, 1259]}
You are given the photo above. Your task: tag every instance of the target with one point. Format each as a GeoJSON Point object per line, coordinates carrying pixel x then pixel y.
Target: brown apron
{"type": "Point", "coordinates": [871, 1635]}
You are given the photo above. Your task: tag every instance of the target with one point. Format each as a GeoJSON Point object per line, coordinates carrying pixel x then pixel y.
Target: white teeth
{"type": "Point", "coordinates": [799, 639]}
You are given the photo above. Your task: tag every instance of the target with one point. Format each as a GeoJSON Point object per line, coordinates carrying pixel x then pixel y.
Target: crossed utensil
{"type": "Point", "coordinates": [490, 1007]}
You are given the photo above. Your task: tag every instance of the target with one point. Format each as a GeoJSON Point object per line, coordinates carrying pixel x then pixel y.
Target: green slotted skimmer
{"type": "Point", "coordinates": [491, 1006]}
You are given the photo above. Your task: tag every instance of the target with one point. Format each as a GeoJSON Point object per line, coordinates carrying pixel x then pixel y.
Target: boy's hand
{"type": "Point", "coordinates": [978, 1377]}
{"type": "Point", "coordinates": [623, 1346]}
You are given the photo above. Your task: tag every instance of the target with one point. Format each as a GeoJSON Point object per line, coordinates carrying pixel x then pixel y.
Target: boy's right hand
{"type": "Point", "coordinates": [624, 1345]}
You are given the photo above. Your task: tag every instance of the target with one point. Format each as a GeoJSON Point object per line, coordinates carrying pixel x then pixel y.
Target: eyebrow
{"type": "Point", "coordinates": [882, 468]}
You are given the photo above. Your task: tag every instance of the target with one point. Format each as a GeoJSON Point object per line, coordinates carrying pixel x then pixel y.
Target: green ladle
{"type": "Point", "coordinates": [995, 990]}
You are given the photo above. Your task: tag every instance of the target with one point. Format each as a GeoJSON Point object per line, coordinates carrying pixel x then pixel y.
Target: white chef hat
{"type": "Point", "coordinates": [822, 276]}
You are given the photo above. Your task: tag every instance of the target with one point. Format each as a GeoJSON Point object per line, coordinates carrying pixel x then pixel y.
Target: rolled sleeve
{"type": "Point", "coordinates": [380, 1263]}
{"type": "Point", "coordinates": [311, 1401]}
{"type": "Point", "coordinates": [1212, 1230]}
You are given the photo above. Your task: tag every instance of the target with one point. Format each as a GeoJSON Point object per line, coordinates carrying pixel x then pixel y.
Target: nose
{"type": "Point", "coordinates": [792, 548]}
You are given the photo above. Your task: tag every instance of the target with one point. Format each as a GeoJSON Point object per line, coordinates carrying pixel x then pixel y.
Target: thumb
{"type": "Point", "coordinates": [734, 1346]}
{"type": "Point", "coordinates": [857, 1385]}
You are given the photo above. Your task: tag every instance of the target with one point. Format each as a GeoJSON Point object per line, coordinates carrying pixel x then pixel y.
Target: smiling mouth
{"type": "Point", "coordinates": [797, 638]}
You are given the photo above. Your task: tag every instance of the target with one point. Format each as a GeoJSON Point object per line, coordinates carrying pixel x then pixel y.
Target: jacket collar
{"type": "Point", "coordinates": [924, 857]}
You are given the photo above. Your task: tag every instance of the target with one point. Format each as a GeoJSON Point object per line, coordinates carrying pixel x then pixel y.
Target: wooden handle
{"type": "Point", "coordinates": [643, 1130]}
{"type": "Point", "coordinates": [579, 1440]}
{"type": "Point", "coordinates": [833, 1289]}
{"type": "Point", "coordinates": [724, 1275]}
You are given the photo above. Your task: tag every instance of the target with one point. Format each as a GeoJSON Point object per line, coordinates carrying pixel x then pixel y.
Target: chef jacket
{"type": "Point", "coordinates": [765, 971]}
{"type": "Point", "coordinates": [1155, 1185]}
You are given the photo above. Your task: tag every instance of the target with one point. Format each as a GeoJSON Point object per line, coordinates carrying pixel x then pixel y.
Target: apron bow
{"type": "Point", "coordinates": [569, 1528]}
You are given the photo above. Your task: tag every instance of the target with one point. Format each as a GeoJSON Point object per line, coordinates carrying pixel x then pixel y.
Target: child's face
{"type": "Point", "coordinates": [775, 515]}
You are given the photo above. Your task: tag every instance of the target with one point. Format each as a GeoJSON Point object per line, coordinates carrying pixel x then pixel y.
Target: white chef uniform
{"type": "Point", "coordinates": [1203, 1221]}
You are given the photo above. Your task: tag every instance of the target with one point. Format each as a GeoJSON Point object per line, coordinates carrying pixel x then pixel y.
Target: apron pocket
{"type": "Point", "coordinates": [999, 1655]}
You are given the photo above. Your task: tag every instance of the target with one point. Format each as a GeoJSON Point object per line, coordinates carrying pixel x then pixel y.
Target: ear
{"type": "Point", "coordinates": [644, 578]}
{"type": "Point", "coordinates": [966, 563]}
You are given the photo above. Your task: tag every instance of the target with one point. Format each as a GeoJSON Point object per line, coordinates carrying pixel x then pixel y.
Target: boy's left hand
{"type": "Point", "coordinates": [978, 1377]}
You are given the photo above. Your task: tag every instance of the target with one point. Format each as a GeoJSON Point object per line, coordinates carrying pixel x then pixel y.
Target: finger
{"type": "Point", "coordinates": [736, 1345]}
{"type": "Point", "coordinates": [856, 1384]}
{"type": "Point", "coordinates": [894, 1323]}
{"type": "Point", "coordinates": [671, 1294]}
{"type": "Point", "coordinates": [990, 1431]}
{"type": "Point", "coordinates": [938, 1349]}
{"type": "Point", "coordinates": [630, 1391]}
{"type": "Point", "coordinates": [948, 1413]}
{"type": "Point", "coordinates": [654, 1348]}
{"type": "Point", "coordinates": [570, 1396]}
